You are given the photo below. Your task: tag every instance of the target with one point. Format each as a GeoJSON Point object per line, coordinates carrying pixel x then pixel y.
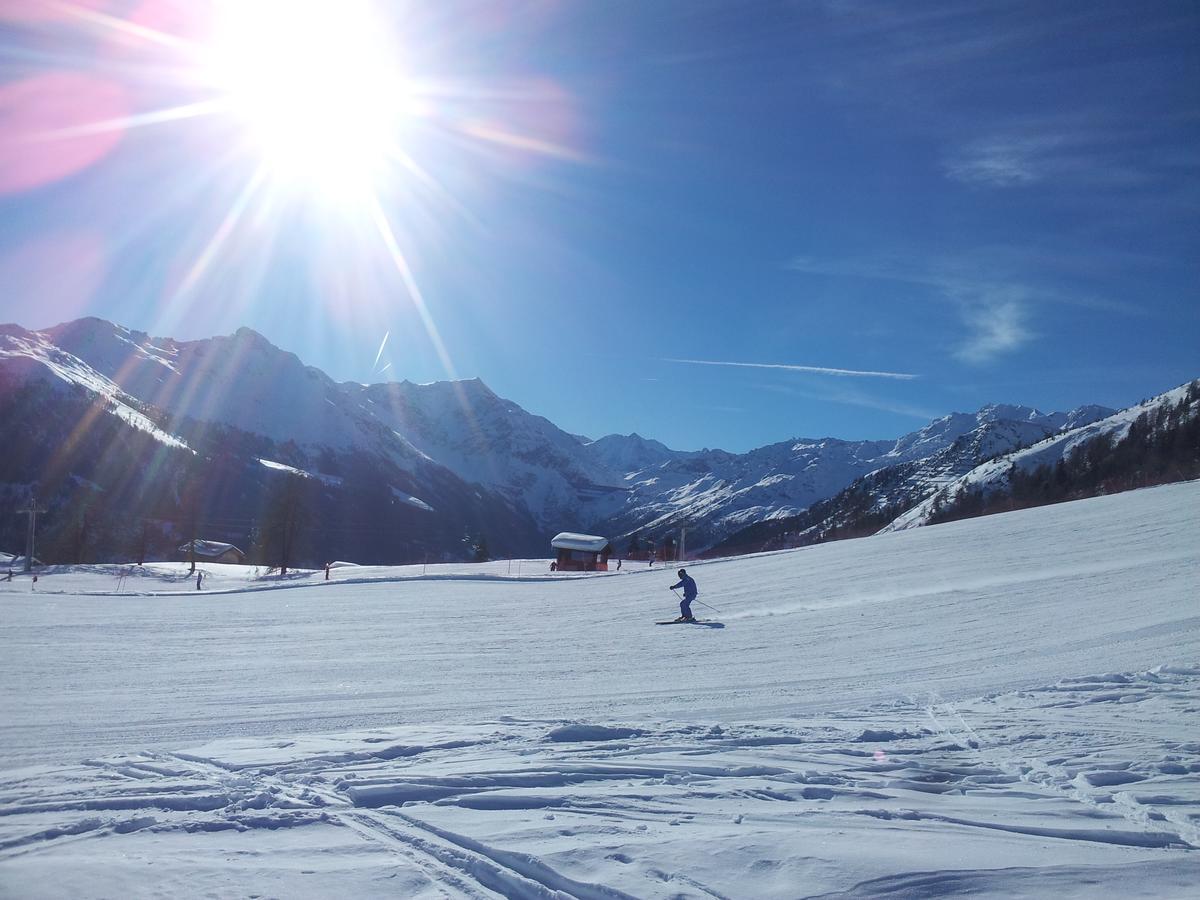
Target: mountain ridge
{"type": "Point", "coordinates": [462, 432]}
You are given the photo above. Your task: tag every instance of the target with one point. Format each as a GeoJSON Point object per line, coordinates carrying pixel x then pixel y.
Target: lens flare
{"type": "Point", "coordinates": [317, 86]}
{"type": "Point", "coordinates": [280, 151]}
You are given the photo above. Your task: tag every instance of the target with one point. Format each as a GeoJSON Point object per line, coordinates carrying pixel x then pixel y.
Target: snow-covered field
{"type": "Point", "coordinates": [1006, 707]}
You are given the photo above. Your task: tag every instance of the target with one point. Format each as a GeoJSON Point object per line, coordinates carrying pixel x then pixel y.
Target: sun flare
{"type": "Point", "coordinates": [361, 132]}
{"type": "Point", "coordinates": [318, 87]}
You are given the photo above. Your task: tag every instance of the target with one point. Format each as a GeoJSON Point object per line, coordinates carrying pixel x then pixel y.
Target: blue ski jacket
{"type": "Point", "coordinates": [688, 583]}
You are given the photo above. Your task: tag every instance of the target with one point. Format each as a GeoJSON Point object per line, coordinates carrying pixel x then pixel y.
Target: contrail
{"type": "Point", "coordinates": [382, 344]}
{"type": "Point", "coordinates": [817, 370]}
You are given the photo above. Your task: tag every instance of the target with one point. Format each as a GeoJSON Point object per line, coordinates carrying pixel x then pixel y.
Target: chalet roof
{"type": "Point", "coordinates": [569, 540]}
{"type": "Point", "coordinates": [209, 549]}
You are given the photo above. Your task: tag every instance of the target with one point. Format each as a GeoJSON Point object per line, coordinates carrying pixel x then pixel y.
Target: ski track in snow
{"type": "Point", "coordinates": [535, 809]}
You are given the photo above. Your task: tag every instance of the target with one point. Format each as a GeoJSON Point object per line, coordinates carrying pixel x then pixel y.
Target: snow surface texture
{"type": "Point", "coordinates": [997, 707]}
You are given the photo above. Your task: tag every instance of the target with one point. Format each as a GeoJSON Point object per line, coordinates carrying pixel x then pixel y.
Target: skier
{"type": "Point", "coordinates": [688, 583]}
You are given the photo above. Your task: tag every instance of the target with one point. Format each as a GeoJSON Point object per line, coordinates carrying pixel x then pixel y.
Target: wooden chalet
{"type": "Point", "coordinates": [581, 552]}
{"type": "Point", "coordinates": [212, 552]}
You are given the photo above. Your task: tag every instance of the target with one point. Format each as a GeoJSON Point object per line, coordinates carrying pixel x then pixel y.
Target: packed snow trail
{"type": "Point", "coordinates": [961, 609]}
{"type": "Point", "coordinates": [995, 706]}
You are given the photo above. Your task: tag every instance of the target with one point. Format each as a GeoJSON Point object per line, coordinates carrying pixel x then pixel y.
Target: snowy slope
{"type": "Point", "coordinates": [905, 715]}
{"type": "Point", "coordinates": [715, 493]}
{"type": "Point", "coordinates": [630, 452]}
{"type": "Point", "coordinates": [994, 472]}
{"type": "Point", "coordinates": [289, 418]}
{"type": "Point", "coordinates": [991, 438]}
{"type": "Point", "coordinates": [26, 354]}
{"type": "Point", "coordinates": [241, 380]}
{"type": "Point", "coordinates": [916, 467]}
{"type": "Point", "coordinates": [486, 439]}
{"type": "Point", "coordinates": [244, 381]}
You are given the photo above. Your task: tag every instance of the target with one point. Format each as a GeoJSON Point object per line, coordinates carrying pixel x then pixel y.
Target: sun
{"type": "Point", "coordinates": [318, 86]}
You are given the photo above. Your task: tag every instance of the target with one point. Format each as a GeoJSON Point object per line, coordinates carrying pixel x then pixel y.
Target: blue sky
{"type": "Point", "coordinates": [715, 224]}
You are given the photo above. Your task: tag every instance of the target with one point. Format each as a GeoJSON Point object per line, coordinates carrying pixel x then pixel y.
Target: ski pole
{"type": "Point", "coordinates": [696, 600]}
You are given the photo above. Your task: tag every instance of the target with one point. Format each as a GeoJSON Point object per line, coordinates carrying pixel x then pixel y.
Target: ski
{"type": "Point", "coordinates": [706, 623]}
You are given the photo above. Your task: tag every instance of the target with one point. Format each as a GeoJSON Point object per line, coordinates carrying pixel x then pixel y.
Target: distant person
{"type": "Point", "coordinates": [618, 565]}
{"type": "Point", "coordinates": [199, 575]}
{"type": "Point", "coordinates": [688, 583]}
{"type": "Point", "coordinates": [327, 565]}
{"type": "Point", "coordinates": [651, 566]}
{"type": "Point", "coordinates": [554, 567]}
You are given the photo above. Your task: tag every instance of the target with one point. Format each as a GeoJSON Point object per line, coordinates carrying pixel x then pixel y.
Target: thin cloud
{"type": "Point", "coordinates": [856, 398]}
{"type": "Point", "coordinates": [955, 277]}
{"type": "Point", "coordinates": [995, 308]}
{"type": "Point", "coordinates": [1000, 162]}
{"type": "Point", "coordinates": [996, 329]}
{"type": "Point", "coordinates": [1105, 148]}
{"type": "Point", "coordinates": [1099, 155]}
{"type": "Point", "coordinates": [812, 370]}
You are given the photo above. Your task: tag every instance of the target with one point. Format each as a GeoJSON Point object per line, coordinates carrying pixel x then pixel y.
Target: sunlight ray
{"type": "Point", "coordinates": [183, 190]}
{"type": "Point", "coordinates": [410, 283]}
{"type": "Point", "coordinates": [122, 26]}
{"type": "Point", "coordinates": [493, 134]}
{"type": "Point", "coordinates": [221, 235]}
{"type": "Point", "coordinates": [427, 180]}
{"type": "Point", "coordinates": [124, 123]}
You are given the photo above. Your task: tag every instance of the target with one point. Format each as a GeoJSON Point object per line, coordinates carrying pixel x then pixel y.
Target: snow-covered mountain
{"type": "Point", "coordinates": [459, 434]}
{"type": "Point", "coordinates": [630, 452]}
{"type": "Point", "coordinates": [240, 380]}
{"type": "Point", "coordinates": [486, 439]}
{"type": "Point", "coordinates": [244, 381]}
{"type": "Point", "coordinates": [994, 474]}
{"type": "Point", "coordinates": [716, 494]}
{"type": "Point", "coordinates": [991, 436]}
{"type": "Point", "coordinates": [236, 415]}
{"type": "Point", "coordinates": [980, 461]}
{"type": "Point", "coordinates": [28, 356]}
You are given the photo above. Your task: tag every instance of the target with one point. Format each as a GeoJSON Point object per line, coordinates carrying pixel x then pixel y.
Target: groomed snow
{"type": "Point", "coordinates": [996, 707]}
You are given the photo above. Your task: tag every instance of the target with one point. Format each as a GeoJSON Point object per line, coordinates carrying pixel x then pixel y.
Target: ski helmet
{"type": "Point", "coordinates": [681, 572]}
